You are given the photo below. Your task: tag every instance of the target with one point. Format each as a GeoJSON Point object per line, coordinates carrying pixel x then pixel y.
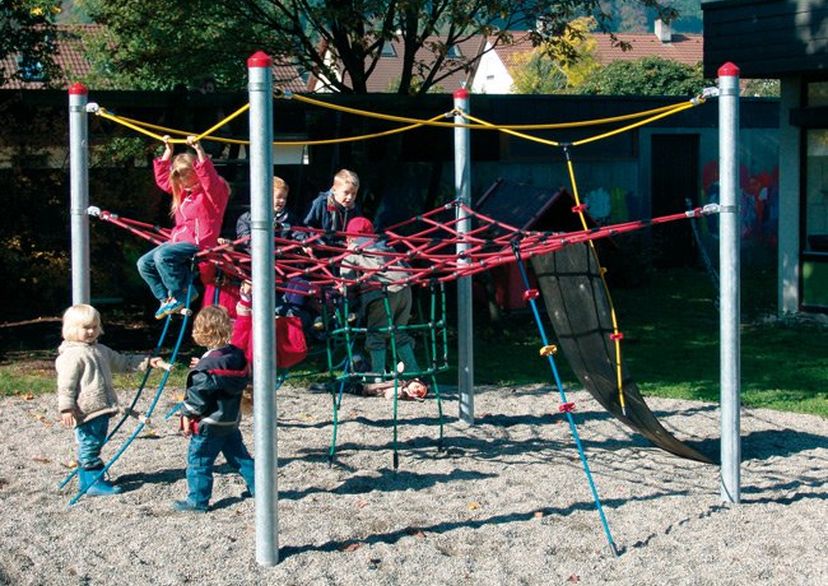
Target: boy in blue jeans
{"type": "Point", "coordinates": [211, 410]}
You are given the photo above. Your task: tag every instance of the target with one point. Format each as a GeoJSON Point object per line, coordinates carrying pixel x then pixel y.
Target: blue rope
{"type": "Point", "coordinates": [568, 415]}
{"type": "Point", "coordinates": [151, 407]}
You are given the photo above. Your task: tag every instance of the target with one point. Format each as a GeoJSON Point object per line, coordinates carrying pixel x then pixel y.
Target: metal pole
{"type": "Point", "coordinates": [462, 185]}
{"type": "Point", "coordinates": [79, 191]}
{"type": "Point", "coordinates": [729, 249]}
{"type": "Point", "coordinates": [260, 82]}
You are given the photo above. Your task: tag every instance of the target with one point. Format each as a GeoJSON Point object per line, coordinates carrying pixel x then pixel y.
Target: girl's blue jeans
{"type": "Point", "coordinates": [202, 454]}
{"type": "Point", "coordinates": [90, 436]}
{"type": "Point", "coordinates": [166, 269]}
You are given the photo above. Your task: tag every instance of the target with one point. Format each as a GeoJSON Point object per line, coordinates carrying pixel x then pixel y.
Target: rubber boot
{"type": "Point", "coordinates": [378, 362]}
{"type": "Point", "coordinates": [406, 354]}
{"type": "Point", "coordinates": [99, 488]}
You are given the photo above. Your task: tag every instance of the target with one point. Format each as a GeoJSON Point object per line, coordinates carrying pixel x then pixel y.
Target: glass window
{"type": "Point", "coordinates": [816, 192]}
{"type": "Point", "coordinates": [817, 93]}
{"type": "Point", "coordinates": [388, 50]}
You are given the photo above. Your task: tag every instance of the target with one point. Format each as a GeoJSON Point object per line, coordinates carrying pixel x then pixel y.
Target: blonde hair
{"type": "Point", "coordinates": [347, 176]}
{"type": "Point", "coordinates": [79, 317]}
{"type": "Point", "coordinates": [212, 327]}
{"type": "Point", "coordinates": [281, 184]}
{"type": "Point", "coordinates": [183, 164]}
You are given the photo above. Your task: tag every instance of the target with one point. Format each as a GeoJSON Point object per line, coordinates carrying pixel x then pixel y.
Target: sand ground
{"type": "Point", "coordinates": [507, 501]}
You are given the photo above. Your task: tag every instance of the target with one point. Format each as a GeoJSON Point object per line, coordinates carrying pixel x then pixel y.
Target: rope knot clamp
{"type": "Point", "coordinates": [548, 350]}
{"type": "Point", "coordinates": [581, 207]}
{"type": "Point", "coordinates": [566, 407]}
{"type": "Point", "coordinates": [530, 294]}
{"type": "Point", "coordinates": [617, 336]}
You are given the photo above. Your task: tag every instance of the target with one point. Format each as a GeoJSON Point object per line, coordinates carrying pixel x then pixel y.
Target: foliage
{"type": "Point", "coordinates": [547, 69]}
{"type": "Point", "coordinates": [761, 88]}
{"type": "Point", "coordinates": [649, 76]}
{"type": "Point", "coordinates": [141, 50]}
{"type": "Point", "coordinates": [27, 30]}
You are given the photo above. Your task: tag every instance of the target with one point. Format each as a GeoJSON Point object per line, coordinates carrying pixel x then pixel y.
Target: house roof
{"type": "Point", "coordinates": [71, 60]}
{"type": "Point", "coordinates": [683, 48]}
{"type": "Point", "coordinates": [387, 73]}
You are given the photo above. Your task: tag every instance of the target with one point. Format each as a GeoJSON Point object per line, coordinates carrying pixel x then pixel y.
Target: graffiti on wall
{"type": "Point", "coordinates": [758, 202]}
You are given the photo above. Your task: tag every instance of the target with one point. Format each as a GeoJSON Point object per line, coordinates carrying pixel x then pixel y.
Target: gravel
{"type": "Point", "coordinates": [506, 502]}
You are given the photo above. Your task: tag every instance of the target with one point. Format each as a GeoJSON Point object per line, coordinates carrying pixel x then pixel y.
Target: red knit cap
{"type": "Point", "coordinates": [360, 225]}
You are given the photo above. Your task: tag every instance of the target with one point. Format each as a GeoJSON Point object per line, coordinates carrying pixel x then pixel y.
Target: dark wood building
{"type": "Point", "coordinates": [787, 40]}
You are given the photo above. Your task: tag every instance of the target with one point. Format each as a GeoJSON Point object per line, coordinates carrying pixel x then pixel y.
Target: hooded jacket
{"type": "Point", "coordinates": [84, 378]}
{"type": "Point", "coordinates": [214, 390]}
{"type": "Point", "coordinates": [199, 216]}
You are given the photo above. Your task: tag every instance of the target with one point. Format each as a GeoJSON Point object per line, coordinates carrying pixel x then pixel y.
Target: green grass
{"type": "Point", "coordinates": [671, 349]}
{"type": "Point", "coordinates": [671, 345]}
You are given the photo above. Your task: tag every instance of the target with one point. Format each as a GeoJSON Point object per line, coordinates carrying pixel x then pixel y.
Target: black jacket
{"type": "Point", "coordinates": [214, 390]}
{"type": "Point", "coordinates": [328, 215]}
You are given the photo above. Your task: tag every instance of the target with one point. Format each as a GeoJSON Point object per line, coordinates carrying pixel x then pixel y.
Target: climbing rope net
{"type": "Point", "coordinates": [446, 243]}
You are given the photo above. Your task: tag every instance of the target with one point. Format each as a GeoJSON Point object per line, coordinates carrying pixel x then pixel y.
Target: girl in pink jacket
{"type": "Point", "coordinates": [199, 198]}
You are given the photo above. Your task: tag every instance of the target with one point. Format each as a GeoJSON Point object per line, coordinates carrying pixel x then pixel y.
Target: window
{"type": "Point", "coordinates": [817, 93]}
{"type": "Point", "coordinates": [388, 50]}
{"type": "Point", "coordinates": [815, 212]}
{"type": "Point", "coordinates": [454, 52]}
{"type": "Point", "coordinates": [30, 69]}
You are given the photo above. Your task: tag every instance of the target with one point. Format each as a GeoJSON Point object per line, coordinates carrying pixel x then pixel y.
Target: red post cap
{"type": "Point", "coordinates": [78, 89]}
{"type": "Point", "coordinates": [728, 70]}
{"type": "Point", "coordinates": [461, 94]}
{"type": "Point", "coordinates": [259, 59]}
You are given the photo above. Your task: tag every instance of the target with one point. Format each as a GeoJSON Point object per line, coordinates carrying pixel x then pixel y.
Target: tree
{"type": "Point", "coordinates": [548, 69]}
{"type": "Point", "coordinates": [27, 31]}
{"type": "Point", "coordinates": [157, 43]}
{"type": "Point", "coordinates": [649, 76]}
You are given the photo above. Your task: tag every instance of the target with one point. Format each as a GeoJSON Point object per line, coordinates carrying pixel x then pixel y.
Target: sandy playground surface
{"type": "Point", "coordinates": [506, 503]}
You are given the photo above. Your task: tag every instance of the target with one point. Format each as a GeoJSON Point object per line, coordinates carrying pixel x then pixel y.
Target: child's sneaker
{"type": "Point", "coordinates": [175, 305]}
{"type": "Point", "coordinates": [186, 506]}
{"type": "Point", "coordinates": [162, 309]}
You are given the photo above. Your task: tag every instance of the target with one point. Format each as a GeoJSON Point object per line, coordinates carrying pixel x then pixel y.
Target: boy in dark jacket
{"type": "Point", "coordinates": [211, 410]}
{"type": "Point", "coordinates": [332, 209]}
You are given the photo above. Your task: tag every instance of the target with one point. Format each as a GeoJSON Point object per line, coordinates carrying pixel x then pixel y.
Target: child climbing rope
{"type": "Point", "coordinates": [199, 198]}
{"type": "Point", "coordinates": [86, 397]}
{"type": "Point", "coordinates": [370, 258]}
{"type": "Point", "coordinates": [211, 410]}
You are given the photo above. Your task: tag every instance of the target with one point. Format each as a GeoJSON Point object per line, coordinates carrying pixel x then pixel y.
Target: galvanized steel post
{"type": "Point", "coordinates": [465, 333]}
{"type": "Point", "coordinates": [79, 192]}
{"type": "Point", "coordinates": [260, 82]}
{"type": "Point", "coordinates": [729, 250]}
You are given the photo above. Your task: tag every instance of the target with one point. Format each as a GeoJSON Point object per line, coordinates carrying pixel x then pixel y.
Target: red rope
{"type": "Point", "coordinates": [424, 248]}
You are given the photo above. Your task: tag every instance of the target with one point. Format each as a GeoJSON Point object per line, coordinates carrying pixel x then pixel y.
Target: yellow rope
{"type": "Point", "coordinates": [482, 123]}
{"type": "Point", "coordinates": [142, 127]}
{"type": "Point", "coordinates": [433, 122]}
{"type": "Point", "coordinates": [678, 108]}
{"type": "Point", "coordinates": [221, 123]}
{"type": "Point", "coordinates": [615, 337]}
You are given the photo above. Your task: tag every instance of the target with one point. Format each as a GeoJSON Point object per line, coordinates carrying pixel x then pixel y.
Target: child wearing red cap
{"type": "Point", "coordinates": [373, 267]}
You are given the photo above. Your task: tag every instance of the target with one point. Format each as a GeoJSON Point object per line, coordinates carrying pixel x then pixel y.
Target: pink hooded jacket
{"type": "Point", "coordinates": [198, 219]}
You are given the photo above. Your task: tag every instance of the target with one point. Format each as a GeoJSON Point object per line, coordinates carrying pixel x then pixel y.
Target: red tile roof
{"type": "Point", "coordinates": [684, 48]}
{"type": "Point", "coordinates": [386, 75]}
{"type": "Point", "coordinates": [69, 58]}
{"type": "Point", "coordinates": [72, 62]}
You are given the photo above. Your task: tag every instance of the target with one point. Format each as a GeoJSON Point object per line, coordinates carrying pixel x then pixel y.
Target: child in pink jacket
{"type": "Point", "coordinates": [199, 198]}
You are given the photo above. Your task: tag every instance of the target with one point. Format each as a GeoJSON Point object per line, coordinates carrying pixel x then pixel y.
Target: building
{"type": "Point", "coordinates": [787, 40]}
{"type": "Point", "coordinates": [492, 75]}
